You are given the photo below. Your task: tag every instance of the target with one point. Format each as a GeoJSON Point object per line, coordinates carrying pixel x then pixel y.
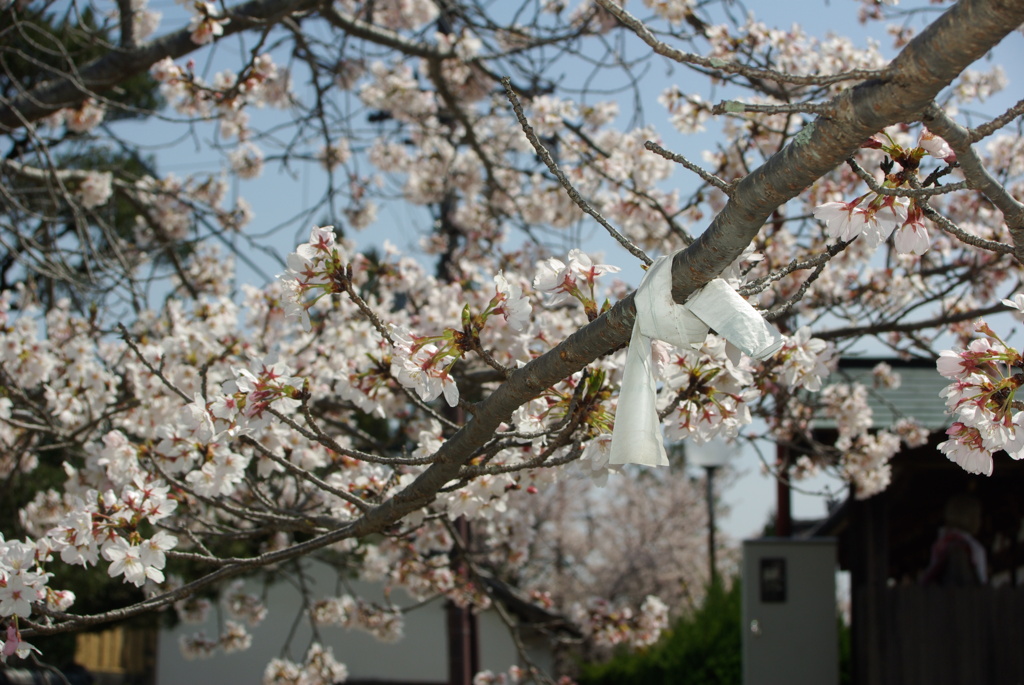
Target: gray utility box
{"type": "Point", "coordinates": [789, 612]}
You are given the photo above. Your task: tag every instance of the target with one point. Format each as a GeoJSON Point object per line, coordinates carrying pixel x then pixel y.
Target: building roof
{"type": "Point", "coordinates": [917, 395]}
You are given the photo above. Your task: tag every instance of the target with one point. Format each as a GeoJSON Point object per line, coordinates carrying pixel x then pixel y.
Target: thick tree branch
{"type": "Point", "coordinates": [931, 61]}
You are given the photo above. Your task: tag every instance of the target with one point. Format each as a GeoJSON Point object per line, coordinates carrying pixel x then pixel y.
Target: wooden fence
{"type": "Point", "coordinates": [949, 636]}
{"type": "Point", "coordinates": [122, 651]}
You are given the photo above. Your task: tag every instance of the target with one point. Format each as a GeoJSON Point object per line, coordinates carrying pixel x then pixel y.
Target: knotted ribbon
{"type": "Point", "coordinates": [637, 437]}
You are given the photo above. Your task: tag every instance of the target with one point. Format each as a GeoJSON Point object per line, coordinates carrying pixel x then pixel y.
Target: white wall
{"type": "Point", "coordinates": [421, 655]}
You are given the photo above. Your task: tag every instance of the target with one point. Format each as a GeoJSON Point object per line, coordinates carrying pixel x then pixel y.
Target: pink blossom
{"type": "Point", "coordinates": [235, 638]}
{"type": "Point", "coordinates": [310, 269]}
{"type": "Point", "coordinates": [843, 220]}
{"type": "Point", "coordinates": [246, 161]}
{"type": "Point", "coordinates": [515, 307]}
{"type": "Point", "coordinates": [806, 361]}
{"type": "Point", "coordinates": [138, 563]}
{"type": "Point", "coordinates": [420, 367]}
{"type": "Point", "coordinates": [554, 277]}
{"type": "Point", "coordinates": [956, 364]}
{"type": "Point", "coordinates": [548, 114]}
{"type": "Point", "coordinates": [875, 223]}
{"type": "Point", "coordinates": [153, 550]}
{"type": "Point", "coordinates": [965, 448]}
{"type": "Point", "coordinates": [882, 220]}
{"type": "Point", "coordinates": [126, 560]}
{"type": "Point", "coordinates": [197, 646]}
{"type": "Point", "coordinates": [16, 595]}
{"type": "Point", "coordinates": [75, 539]}
{"type": "Point", "coordinates": [206, 26]}
{"type": "Point", "coordinates": [1017, 303]}
{"type": "Point", "coordinates": [936, 146]}
{"type": "Point", "coordinates": [14, 645]}
{"type": "Point", "coordinates": [581, 264]}
{"type": "Point", "coordinates": [166, 70]}
{"type": "Point", "coordinates": [95, 189]}
{"type": "Point", "coordinates": [912, 237]}
{"type": "Point", "coordinates": [85, 118]}
{"type": "Point", "coordinates": [335, 154]}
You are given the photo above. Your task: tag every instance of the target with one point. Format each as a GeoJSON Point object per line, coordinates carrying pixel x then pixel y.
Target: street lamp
{"type": "Point", "coordinates": [711, 455]}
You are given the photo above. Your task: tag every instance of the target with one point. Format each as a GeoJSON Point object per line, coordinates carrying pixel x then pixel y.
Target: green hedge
{"type": "Point", "coordinates": [702, 648]}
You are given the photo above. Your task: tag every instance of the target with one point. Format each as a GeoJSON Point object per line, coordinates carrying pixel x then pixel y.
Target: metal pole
{"type": "Point", "coordinates": [463, 635]}
{"type": "Point", "coordinates": [783, 512]}
{"type": "Point", "coordinates": [710, 496]}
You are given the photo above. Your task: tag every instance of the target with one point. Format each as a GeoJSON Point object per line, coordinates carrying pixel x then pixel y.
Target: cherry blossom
{"type": "Point", "coordinates": [874, 223]}
{"type": "Point", "coordinates": [966, 448]}
{"type": "Point", "coordinates": [312, 267]}
{"type": "Point", "coordinates": [14, 645]}
{"type": "Point", "coordinates": [806, 361]}
{"type": "Point", "coordinates": [512, 677]}
{"type": "Point", "coordinates": [866, 461]}
{"type": "Point", "coordinates": [912, 237]}
{"type": "Point", "coordinates": [936, 146]}
{"type": "Point", "coordinates": [136, 563]}
{"type": "Point", "coordinates": [197, 646]}
{"type": "Point", "coordinates": [21, 583]}
{"type": "Point", "coordinates": [206, 25]}
{"type": "Point", "coordinates": [513, 305]}
{"type": "Point", "coordinates": [1016, 303]}
{"type": "Point", "coordinates": [612, 625]}
{"type": "Point", "coordinates": [423, 367]}
{"type": "Point", "coordinates": [981, 397]}
{"type": "Point", "coordinates": [16, 595]}
{"type": "Point", "coordinates": [319, 668]}
{"type": "Point", "coordinates": [554, 277]}
{"type": "Point", "coordinates": [576, 280]}
{"type": "Point", "coordinates": [95, 189]}
{"type": "Point", "coordinates": [247, 161]}
{"type": "Point", "coordinates": [235, 638]}
{"type": "Point", "coordinates": [85, 118]}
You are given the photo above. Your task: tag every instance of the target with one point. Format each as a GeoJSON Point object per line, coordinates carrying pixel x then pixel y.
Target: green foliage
{"type": "Point", "coordinates": [845, 653]}
{"type": "Point", "coordinates": [701, 648]}
{"type": "Point", "coordinates": [59, 249]}
{"type": "Point", "coordinates": [43, 45]}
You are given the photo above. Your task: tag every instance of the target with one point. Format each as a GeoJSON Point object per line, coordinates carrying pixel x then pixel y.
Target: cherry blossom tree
{"type": "Point", "coordinates": [360, 403]}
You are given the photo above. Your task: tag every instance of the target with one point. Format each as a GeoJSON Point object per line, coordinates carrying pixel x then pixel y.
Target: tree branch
{"type": "Point", "coordinates": [929, 63]}
{"type": "Point", "coordinates": [978, 177]}
{"type": "Point", "coordinates": [117, 65]}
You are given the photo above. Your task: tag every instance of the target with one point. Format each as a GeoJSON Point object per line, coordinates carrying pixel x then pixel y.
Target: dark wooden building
{"type": "Point", "coordinates": [909, 624]}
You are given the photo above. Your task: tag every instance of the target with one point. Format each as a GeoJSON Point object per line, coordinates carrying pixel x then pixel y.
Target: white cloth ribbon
{"type": "Point", "coordinates": [637, 437]}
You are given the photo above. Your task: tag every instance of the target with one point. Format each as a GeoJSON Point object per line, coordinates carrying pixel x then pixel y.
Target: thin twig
{"type": "Point", "coordinates": [960, 234]}
{"type": "Point", "coordinates": [364, 307]}
{"type": "Point", "coordinates": [779, 311]}
{"type": "Point", "coordinates": [915, 192]}
{"type": "Point", "coordinates": [1003, 119]}
{"type": "Point", "coordinates": [727, 67]}
{"type": "Point", "coordinates": [707, 176]}
{"type": "Point", "coordinates": [304, 474]}
{"type": "Point", "coordinates": [127, 337]}
{"type": "Point", "coordinates": [816, 262]}
{"type": "Point", "coordinates": [574, 194]}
